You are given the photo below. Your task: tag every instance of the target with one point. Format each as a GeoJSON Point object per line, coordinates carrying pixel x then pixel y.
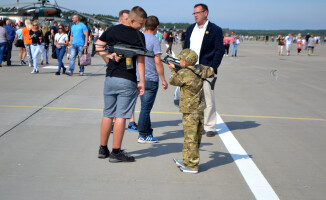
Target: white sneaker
{"type": "Point", "coordinates": [33, 72]}
{"type": "Point", "coordinates": [81, 74]}
{"type": "Point", "coordinates": [178, 162]}
{"type": "Point", "coordinates": [186, 170]}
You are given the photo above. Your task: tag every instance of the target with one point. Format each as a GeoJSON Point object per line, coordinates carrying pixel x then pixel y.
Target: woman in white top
{"type": "Point", "coordinates": [61, 42]}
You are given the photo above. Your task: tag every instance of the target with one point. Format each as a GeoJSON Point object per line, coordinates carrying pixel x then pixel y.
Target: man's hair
{"type": "Point", "coordinates": [95, 25]}
{"type": "Point", "coordinates": [8, 22]}
{"type": "Point", "coordinates": [151, 23]}
{"type": "Point", "coordinates": [2, 22]}
{"type": "Point", "coordinates": [55, 22]}
{"type": "Point", "coordinates": [122, 12]}
{"type": "Point", "coordinates": [139, 11]}
{"type": "Point", "coordinates": [204, 6]}
{"type": "Point", "coordinates": [77, 16]}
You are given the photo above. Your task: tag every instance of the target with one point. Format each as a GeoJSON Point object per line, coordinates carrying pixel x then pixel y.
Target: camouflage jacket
{"type": "Point", "coordinates": [192, 98]}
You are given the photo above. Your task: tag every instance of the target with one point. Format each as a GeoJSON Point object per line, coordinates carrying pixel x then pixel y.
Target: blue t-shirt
{"type": "Point", "coordinates": [77, 31]}
{"type": "Point", "coordinates": [19, 34]}
{"type": "Point", "coordinates": [152, 44]}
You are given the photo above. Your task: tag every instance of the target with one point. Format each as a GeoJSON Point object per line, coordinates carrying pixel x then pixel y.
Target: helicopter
{"type": "Point", "coordinates": [46, 12]}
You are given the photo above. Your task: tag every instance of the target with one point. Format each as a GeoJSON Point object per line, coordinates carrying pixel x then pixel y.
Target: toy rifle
{"type": "Point", "coordinates": [169, 59]}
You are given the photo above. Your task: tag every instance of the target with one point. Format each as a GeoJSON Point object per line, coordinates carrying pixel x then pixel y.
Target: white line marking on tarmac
{"type": "Point", "coordinates": [256, 181]}
{"type": "Point", "coordinates": [52, 67]}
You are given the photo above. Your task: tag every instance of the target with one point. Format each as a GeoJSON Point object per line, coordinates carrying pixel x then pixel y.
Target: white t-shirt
{"type": "Point", "coordinates": [61, 38]}
{"type": "Point", "coordinates": [288, 40]}
{"type": "Point", "coordinates": [196, 38]}
{"type": "Point", "coordinates": [100, 33]}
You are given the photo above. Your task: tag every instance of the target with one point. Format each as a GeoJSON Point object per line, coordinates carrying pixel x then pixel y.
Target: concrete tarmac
{"type": "Point", "coordinates": [274, 106]}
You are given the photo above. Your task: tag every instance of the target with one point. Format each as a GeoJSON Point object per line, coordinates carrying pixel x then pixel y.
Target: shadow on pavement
{"type": "Point", "coordinates": [219, 159]}
{"type": "Point", "coordinates": [166, 123]}
{"type": "Point", "coordinates": [171, 135]}
{"type": "Point", "coordinates": [160, 149]}
{"type": "Point", "coordinates": [236, 126]}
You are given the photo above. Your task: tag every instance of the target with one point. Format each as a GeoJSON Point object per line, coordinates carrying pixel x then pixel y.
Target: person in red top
{"type": "Point", "coordinates": [299, 46]}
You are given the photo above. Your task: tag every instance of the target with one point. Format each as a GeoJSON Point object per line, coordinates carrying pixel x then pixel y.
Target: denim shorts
{"type": "Point", "coordinates": [120, 97]}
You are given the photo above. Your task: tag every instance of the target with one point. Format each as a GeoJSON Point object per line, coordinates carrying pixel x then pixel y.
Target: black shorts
{"type": "Point", "coordinates": [299, 50]}
{"type": "Point", "coordinates": [20, 43]}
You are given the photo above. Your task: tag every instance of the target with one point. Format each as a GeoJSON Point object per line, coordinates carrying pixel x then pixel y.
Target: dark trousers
{"type": "Point", "coordinates": [169, 48]}
{"type": "Point", "coordinates": [94, 47]}
{"type": "Point", "coordinates": [9, 49]}
{"type": "Point", "coordinates": [227, 46]}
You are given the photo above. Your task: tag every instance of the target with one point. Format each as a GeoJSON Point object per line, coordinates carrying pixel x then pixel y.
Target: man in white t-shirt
{"type": "Point", "coordinates": [95, 34]}
{"type": "Point", "coordinates": [288, 43]}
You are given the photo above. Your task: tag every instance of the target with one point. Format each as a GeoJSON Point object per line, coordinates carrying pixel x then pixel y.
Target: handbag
{"type": "Point", "coordinates": [85, 59]}
{"type": "Point", "coordinates": [54, 55]}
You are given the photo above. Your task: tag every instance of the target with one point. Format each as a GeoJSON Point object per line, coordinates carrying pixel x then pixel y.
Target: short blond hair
{"type": "Point", "coordinates": [138, 11]}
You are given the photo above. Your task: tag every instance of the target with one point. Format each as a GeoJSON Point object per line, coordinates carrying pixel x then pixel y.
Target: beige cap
{"type": "Point", "coordinates": [189, 56]}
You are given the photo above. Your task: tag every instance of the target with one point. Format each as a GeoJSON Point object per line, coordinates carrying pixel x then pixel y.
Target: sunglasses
{"type": "Point", "coordinates": [60, 28]}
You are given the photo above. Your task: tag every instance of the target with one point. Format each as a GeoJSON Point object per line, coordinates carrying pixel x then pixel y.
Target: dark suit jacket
{"type": "Point", "coordinates": [212, 48]}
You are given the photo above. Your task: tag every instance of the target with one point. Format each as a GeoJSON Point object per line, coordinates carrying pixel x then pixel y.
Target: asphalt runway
{"type": "Point", "coordinates": [270, 143]}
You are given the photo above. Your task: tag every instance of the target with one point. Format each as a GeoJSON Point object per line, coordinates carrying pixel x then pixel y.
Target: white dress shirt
{"type": "Point", "coordinates": [196, 38]}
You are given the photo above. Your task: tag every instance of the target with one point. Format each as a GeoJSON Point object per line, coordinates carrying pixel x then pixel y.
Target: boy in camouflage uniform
{"type": "Point", "coordinates": [192, 104]}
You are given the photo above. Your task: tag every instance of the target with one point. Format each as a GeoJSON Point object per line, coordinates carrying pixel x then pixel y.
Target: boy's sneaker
{"type": "Point", "coordinates": [178, 162]}
{"type": "Point", "coordinates": [34, 71]}
{"type": "Point", "coordinates": [81, 73]}
{"type": "Point", "coordinates": [69, 73]}
{"type": "Point", "coordinates": [148, 139]}
{"type": "Point", "coordinates": [132, 127]}
{"type": "Point", "coordinates": [187, 170]}
{"type": "Point", "coordinates": [121, 157]}
{"type": "Point", "coordinates": [103, 152]}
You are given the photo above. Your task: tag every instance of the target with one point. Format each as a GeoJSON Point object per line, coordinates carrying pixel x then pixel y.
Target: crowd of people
{"type": "Point", "coordinates": [33, 39]}
{"type": "Point", "coordinates": [307, 42]}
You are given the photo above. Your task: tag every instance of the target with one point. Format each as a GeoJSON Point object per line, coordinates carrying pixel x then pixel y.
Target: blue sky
{"type": "Point", "coordinates": [235, 14]}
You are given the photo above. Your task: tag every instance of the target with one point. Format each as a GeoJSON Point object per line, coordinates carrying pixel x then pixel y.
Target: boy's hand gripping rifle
{"type": "Point", "coordinates": [169, 59]}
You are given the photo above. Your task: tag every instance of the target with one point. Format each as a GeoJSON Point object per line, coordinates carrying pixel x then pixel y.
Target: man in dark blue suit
{"type": "Point", "coordinates": [206, 39]}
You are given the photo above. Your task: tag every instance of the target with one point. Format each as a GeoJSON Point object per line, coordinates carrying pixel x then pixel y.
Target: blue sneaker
{"type": "Point", "coordinates": [148, 139]}
{"type": "Point", "coordinates": [132, 126]}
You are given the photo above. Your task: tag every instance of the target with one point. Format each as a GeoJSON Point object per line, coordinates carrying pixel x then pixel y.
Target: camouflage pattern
{"type": "Point", "coordinates": [204, 71]}
{"type": "Point", "coordinates": [192, 98]}
{"type": "Point", "coordinates": [189, 56]}
{"type": "Point", "coordinates": [193, 125]}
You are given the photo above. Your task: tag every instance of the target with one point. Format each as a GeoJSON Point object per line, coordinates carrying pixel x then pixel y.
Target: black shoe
{"type": "Point", "coordinates": [210, 133]}
{"type": "Point", "coordinates": [121, 157]}
{"type": "Point", "coordinates": [64, 70]}
{"type": "Point", "coordinates": [8, 63]}
{"type": "Point", "coordinates": [57, 73]}
{"type": "Point", "coordinates": [103, 152]}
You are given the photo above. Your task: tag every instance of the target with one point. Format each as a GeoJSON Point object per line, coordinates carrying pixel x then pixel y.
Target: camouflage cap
{"type": "Point", "coordinates": [189, 56]}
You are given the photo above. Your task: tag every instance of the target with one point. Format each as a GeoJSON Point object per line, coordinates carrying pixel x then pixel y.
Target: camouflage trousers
{"type": "Point", "coordinates": [193, 125]}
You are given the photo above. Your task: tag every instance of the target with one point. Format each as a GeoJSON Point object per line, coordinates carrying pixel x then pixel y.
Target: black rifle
{"type": "Point", "coordinates": [169, 59]}
{"type": "Point", "coordinates": [127, 51]}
